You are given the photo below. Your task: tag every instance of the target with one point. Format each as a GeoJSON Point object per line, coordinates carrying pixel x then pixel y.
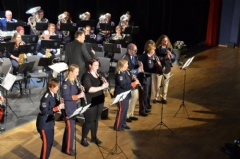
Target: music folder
{"type": "Point", "coordinates": [59, 67]}
{"type": "Point", "coordinates": [120, 97]}
{"type": "Point", "coordinates": [13, 25]}
{"type": "Point", "coordinates": [8, 81]}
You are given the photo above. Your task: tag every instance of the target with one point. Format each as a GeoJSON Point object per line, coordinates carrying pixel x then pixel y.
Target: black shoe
{"type": "Point", "coordinates": [72, 153]}
{"type": "Point", "coordinates": [154, 101]}
{"type": "Point", "coordinates": [96, 141]}
{"type": "Point", "coordinates": [147, 110]}
{"type": "Point", "coordinates": [143, 114]}
{"type": "Point", "coordinates": [164, 101]}
{"type": "Point", "coordinates": [133, 118]}
{"type": "Point", "coordinates": [129, 120]}
{"type": "Point", "coordinates": [126, 127]}
{"type": "Point", "coordinates": [84, 142]}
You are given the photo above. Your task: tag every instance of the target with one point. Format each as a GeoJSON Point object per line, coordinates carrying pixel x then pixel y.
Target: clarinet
{"type": "Point", "coordinates": [79, 86]}
{"type": "Point", "coordinates": [104, 81]}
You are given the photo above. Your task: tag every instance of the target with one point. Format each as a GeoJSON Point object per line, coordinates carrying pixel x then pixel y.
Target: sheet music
{"type": "Point", "coordinates": [80, 110]}
{"type": "Point", "coordinates": [120, 97]}
{"type": "Point", "coordinates": [187, 63]}
{"type": "Point", "coordinates": [59, 67]}
{"type": "Point", "coordinates": [8, 81]}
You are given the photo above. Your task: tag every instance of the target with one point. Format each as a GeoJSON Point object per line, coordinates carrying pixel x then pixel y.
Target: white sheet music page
{"type": "Point", "coordinates": [59, 67]}
{"type": "Point", "coordinates": [8, 81]}
{"type": "Point", "coordinates": [80, 110]}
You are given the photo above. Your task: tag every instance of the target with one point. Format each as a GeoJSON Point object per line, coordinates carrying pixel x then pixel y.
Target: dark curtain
{"type": "Point", "coordinates": [213, 22]}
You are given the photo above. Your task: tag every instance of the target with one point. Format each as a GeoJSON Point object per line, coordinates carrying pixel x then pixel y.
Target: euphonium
{"type": "Point", "coordinates": [22, 56]}
{"type": "Point", "coordinates": [117, 37]}
{"type": "Point", "coordinates": [62, 19]}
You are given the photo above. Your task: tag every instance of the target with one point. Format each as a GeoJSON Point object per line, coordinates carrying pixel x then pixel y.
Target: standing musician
{"type": "Point", "coordinates": [71, 94]}
{"type": "Point", "coordinates": [17, 58]}
{"type": "Point", "coordinates": [150, 64]}
{"type": "Point", "coordinates": [164, 48]}
{"type": "Point", "coordinates": [135, 67]}
{"type": "Point", "coordinates": [94, 84]}
{"type": "Point", "coordinates": [2, 111]}
{"type": "Point", "coordinates": [123, 82]}
{"type": "Point", "coordinates": [3, 21]}
{"type": "Point", "coordinates": [45, 119]}
{"type": "Point", "coordinates": [77, 53]}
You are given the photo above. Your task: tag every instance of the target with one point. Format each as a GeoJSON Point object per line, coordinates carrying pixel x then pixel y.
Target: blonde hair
{"type": "Point", "coordinates": [149, 45]}
{"type": "Point", "coordinates": [120, 65]}
{"type": "Point", "coordinates": [14, 37]}
{"type": "Point", "coordinates": [71, 69]}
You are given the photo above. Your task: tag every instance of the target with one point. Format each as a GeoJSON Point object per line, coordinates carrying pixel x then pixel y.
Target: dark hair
{"type": "Point", "coordinates": [91, 61]}
{"type": "Point", "coordinates": [78, 33]}
{"type": "Point", "coordinates": [52, 83]}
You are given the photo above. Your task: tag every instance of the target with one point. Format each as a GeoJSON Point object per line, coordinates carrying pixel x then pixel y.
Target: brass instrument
{"type": "Point", "coordinates": [62, 19]}
{"type": "Point", "coordinates": [104, 81]}
{"type": "Point", "coordinates": [47, 53]}
{"type": "Point", "coordinates": [117, 37]}
{"type": "Point", "coordinates": [32, 20]}
{"type": "Point", "coordinates": [80, 87]}
{"type": "Point", "coordinates": [22, 56]}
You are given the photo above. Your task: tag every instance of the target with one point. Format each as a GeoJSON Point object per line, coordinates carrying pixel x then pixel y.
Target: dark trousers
{"type": "Point", "coordinates": [47, 142]}
{"type": "Point", "coordinates": [144, 96]}
{"type": "Point", "coordinates": [120, 120]}
{"type": "Point", "coordinates": [91, 120]}
{"type": "Point", "coordinates": [15, 66]}
{"type": "Point", "coordinates": [68, 136]}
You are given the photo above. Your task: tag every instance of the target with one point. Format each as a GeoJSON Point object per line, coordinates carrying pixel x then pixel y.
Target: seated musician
{"type": "Point", "coordinates": [20, 30]}
{"type": "Point", "coordinates": [16, 58]}
{"type": "Point", "coordinates": [45, 52]}
{"type": "Point", "coordinates": [3, 21]}
{"type": "Point", "coordinates": [89, 35]}
{"type": "Point", "coordinates": [52, 29]}
{"type": "Point", "coordinates": [118, 35]}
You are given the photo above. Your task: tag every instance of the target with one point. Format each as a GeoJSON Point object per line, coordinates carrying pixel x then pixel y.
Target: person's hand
{"type": "Point", "coordinates": [61, 106]}
{"type": "Point", "coordinates": [2, 99]}
{"type": "Point", "coordinates": [81, 95]}
{"type": "Point", "coordinates": [137, 81]}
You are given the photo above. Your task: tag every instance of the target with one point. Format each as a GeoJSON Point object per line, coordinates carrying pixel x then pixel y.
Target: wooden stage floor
{"type": "Point", "coordinates": [211, 100]}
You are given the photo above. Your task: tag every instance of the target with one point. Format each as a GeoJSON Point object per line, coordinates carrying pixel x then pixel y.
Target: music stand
{"type": "Point", "coordinates": [30, 38]}
{"type": "Point", "coordinates": [187, 63]}
{"type": "Point", "coordinates": [59, 68]}
{"type": "Point", "coordinates": [78, 111]}
{"type": "Point", "coordinates": [83, 23]}
{"type": "Point", "coordinates": [96, 47]}
{"type": "Point", "coordinates": [161, 120]}
{"type": "Point", "coordinates": [5, 48]}
{"type": "Point", "coordinates": [27, 48]}
{"type": "Point", "coordinates": [114, 48]}
{"type": "Point", "coordinates": [106, 27]}
{"type": "Point", "coordinates": [41, 26]}
{"type": "Point", "coordinates": [7, 83]}
{"type": "Point", "coordinates": [90, 38]}
{"type": "Point", "coordinates": [53, 44]}
{"type": "Point", "coordinates": [24, 69]}
{"type": "Point", "coordinates": [13, 25]}
{"type": "Point", "coordinates": [68, 27]}
{"type": "Point", "coordinates": [131, 30]}
{"type": "Point", "coordinates": [118, 98]}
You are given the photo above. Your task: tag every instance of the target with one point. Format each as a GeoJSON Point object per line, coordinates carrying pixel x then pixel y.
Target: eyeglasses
{"type": "Point", "coordinates": [135, 50]}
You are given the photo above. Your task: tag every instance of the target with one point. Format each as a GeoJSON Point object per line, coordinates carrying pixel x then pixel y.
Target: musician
{"type": "Point", "coordinates": [135, 69]}
{"type": "Point", "coordinates": [3, 21]}
{"type": "Point", "coordinates": [149, 66]}
{"type": "Point", "coordinates": [94, 84]}
{"type": "Point", "coordinates": [45, 52]}
{"type": "Point", "coordinates": [90, 36]}
{"type": "Point", "coordinates": [37, 19]}
{"type": "Point", "coordinates": [2, 112]}
{"type": "Point", "coordinates": [45, 119]}
{"type": "Point", "coordinates": [164, 48]}
{"type": "Point", "coordinates": [76, 52]}
{"type": "Point", "coordinates": [20, 30]}
{"type": "Point", "coordinates": [118, 35]}
{"type": "Point", "coordinates": [71, 94]}
{"type": "Point", "coordinates": [52, 29]}
{"type": "Point", "coordinates": [14, 55]}
{"type": "Point", "coordinates": [123, 83]}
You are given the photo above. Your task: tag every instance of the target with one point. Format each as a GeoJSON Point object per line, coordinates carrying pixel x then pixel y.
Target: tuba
{"type": "Point", "coordinates": [32, 20]}
{"type": "Point", "coordinates": [22, 56]}
{"type": "Point", "coordinates": [62, 19]}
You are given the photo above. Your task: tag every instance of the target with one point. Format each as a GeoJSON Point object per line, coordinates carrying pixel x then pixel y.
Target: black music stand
{"type": "Point", "coordinates": [13, 25]}
{"type": "Point", "coordinates": [111, 49]}
{"type": "Point", "coordinates": [68, 27]}
{"type": "Point", "coordinates": [24, 69]}
{"type": "Point", "coordinates": [161, 120]}
{"type": "Point", "coordinates": [29, 48]}
{"type": "Point", "coordinates": [53, 44]}
{"type": "Point", "coordinates": [5, 48]}
{"type": "Point", "coordinates": [30, 38]}
{"type": "Point", "coordinates": [106, 27]}
{"type": "Point", "coordinates": [7, 83]}
{"type": "Point", "coordinates": [131, 30]}
{"type": "Point", "coordinates": [41, 26]}
{"type": "Point", "coordinates": [83, 23]}
{"type": "Point", "coordinates": [114, 150]}
{"type": "Point", "coordinates": [96, 47]}
{"type": "Point", "coordinates": [90, 38]}
{"type": "Point", "coordinates": [187, 63]}
{"type": "Point", "coordinates": [77, 112]}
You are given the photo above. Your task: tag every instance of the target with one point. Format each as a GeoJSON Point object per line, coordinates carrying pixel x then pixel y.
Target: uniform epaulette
{"type": "Point", "coordinates": [46, 95]}
{"type": "Point", "coordinates": [124, 56]}
{"type": "Point", "coordinates": [66, 79]}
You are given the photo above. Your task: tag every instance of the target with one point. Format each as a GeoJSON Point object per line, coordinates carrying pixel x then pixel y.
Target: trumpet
{"type": "Point", "coordinates": [80, 87]}
{"type": "Point", "coordinates": [104, 81]}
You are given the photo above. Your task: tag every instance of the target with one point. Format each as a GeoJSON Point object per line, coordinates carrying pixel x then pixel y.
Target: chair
{"type": "Point", "coordinates": [105, 65]}
{"type": "Point", "coordinates": [99, 54]}
{"type": "Point", "coordinates": [34, 73]}
{"type": "Point", "coordinates": [6, 66]}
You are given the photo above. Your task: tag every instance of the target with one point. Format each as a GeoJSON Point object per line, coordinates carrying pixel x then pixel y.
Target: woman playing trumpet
{"type": "Point", "coordinates": [94, 87]}
{"type": "Point", "coordinates": [70, 93]}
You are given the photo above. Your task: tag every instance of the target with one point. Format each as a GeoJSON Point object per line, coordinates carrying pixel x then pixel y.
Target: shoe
{"type": "Point", "coordinates": [96, 141]}
{"type": "Point", "coordinates": [121, 129]}
{"type": "Point", "coordinates": [133, 118]}
{"type": "Point", "coordinates": [154, 101]}
{"type": "Point", "coordinates": [164, 101]}
{"type": "Point", "coordinates": [143, 114]}
{"type": "Point", "coordinates": [84, 142]}
{"type": "Point", "coordinates": [129, 120]}
{"type": "Point", "coordinates": [147, 110]}
{"type": "Point", "coordinates": [72, 153]}
{"type": "Point", "coordinates": [126, 127]}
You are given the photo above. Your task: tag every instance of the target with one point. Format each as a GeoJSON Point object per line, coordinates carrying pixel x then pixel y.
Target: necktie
{"type": "Point", "coordinates": [133, 61]}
